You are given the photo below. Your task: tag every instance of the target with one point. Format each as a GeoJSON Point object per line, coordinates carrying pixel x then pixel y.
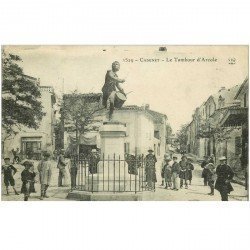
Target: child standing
{"type": "Point", "coordinates": [28, 179]}
{"type": "Point", "coordinates": [8, 172]}
{"type": "Point", "coordinates": [45, 171]}
{"type": "Point", "coordinates": [168, 174]}
{"type": "Point", "coordinates": [190, 170]}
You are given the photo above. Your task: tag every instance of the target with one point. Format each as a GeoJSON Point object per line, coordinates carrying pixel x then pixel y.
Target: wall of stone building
{"type": "Point", "coordinates": [202, 147]}
{"type": "Point", "coordinates": [230, 149]}
{"type": "Point", "coordinates": [161, 127]}
{"type": "Point", "coordinates": [16, 141]}
{"type": "Point", "coordinates": [140, 130]}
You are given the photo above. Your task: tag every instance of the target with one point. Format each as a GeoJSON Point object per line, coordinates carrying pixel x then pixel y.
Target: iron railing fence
{"type": "Point", "coordinates": [110, 174]}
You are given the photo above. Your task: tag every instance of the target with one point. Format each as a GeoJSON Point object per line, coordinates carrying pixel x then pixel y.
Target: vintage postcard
{"type": "Point", "coordinates": [124, 123]}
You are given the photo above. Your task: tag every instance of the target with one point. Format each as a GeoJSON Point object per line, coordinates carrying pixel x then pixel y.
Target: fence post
{"type": "Point", "coordinates": [108, 172]}
{"type": "Point", "coordinates": [103, 170]}
{"type": "Point", "coordinates": [114, 175]}
{"type": "Point", "coordinates": [135, 168]}
{"type": "Point", "coordinates": [142, 171]}
{"type": "Point", "coordinates": [119, 172]}
{"type": "Point", "coordinates": [124, 171]}
{"type": "Point", "coordinates": [92, 170]}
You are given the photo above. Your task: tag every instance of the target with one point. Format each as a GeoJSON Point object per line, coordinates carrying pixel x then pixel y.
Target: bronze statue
{"type": "Point", "coordinates": [109, 89]}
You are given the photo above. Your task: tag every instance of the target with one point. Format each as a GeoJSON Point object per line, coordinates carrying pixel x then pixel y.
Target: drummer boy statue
{"type": "Point", "coordinates": [112, 83]}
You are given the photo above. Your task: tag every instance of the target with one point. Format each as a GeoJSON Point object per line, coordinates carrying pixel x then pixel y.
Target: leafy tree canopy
{"type": "Point", "coordinates": [20, 97]}
{"type": "Point", "coordinates": [77, 110]}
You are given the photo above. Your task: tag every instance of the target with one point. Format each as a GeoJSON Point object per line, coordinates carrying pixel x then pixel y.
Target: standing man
{"type": "Point", "coordinates": [112, 82]}
{"type": "Point", "coordinates": [150, 170]}
{"type": "Point", "coordinates": [224, 175]}
{"type": "Point", "coordinates": [61, 165]}
{"type": "Point", "coordinates": [44, 169]}
{"type": "Point", "coordinates": [8, 172]}
{"type": "Point", "coordinates": [175, 174]}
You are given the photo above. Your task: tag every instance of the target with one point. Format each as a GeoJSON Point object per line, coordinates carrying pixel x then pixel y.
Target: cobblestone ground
{"type": "Point", "coordinates": [196, 192]}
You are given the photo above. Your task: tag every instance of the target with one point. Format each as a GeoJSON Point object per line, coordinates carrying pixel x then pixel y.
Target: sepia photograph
{"type": "Point", "coordinates": [124, 123]}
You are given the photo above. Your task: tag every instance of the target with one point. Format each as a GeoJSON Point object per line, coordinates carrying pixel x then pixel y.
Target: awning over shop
{"type": "Point", "coordinates": [235, 116]}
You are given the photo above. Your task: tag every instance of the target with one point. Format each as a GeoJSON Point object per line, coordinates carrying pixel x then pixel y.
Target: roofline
{"type": "Point", "coordinates": [138, 109]}
{"type": "Point", "coordinates": [241, 87]}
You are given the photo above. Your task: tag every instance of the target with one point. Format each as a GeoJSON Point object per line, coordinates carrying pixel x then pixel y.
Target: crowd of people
{"type": "Point", "coordinates": [175, 174]}
{"type": "Point", "coordinates": [66, 166]}
{"type": "Point", "coordinates": [172, 171]}
{"type": "Point", "coordinates": [219, 177]}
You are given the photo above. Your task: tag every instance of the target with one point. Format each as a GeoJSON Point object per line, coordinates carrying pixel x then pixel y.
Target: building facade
{"type": "Point", "coordinates": [210, 130]}
{"type": "Point", "coordinates": [145, 129]}
{"type": "Point", "coordinates": [31, 142]}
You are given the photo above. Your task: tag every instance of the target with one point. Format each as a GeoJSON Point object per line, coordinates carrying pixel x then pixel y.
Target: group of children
{"type": "Point", "coordinates": [172, 170]}
{"type": "Point", "coordinates": [27, 177]}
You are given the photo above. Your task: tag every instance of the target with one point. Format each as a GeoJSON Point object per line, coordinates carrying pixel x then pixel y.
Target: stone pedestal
{"type": "Point", "coordinates": [112, 180]}
{"type": "Point", "coordinates": [112, 169]}
{"type": "Point", "coordinates": [112, 139]}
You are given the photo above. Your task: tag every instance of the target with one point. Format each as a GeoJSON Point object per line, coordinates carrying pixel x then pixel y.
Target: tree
{"type": "Point", "coordinates": [77, 112]}
{"type": "Point", "coordinates": [20, 98]}
{"type": "Point", "coordinates": [182, 136]}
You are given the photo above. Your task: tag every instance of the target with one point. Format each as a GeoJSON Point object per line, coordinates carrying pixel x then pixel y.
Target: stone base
{"type": "Point", "coordinates": [99, 196]}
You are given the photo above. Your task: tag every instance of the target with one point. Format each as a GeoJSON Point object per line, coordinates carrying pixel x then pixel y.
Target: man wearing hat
{"type": "Point", "coordinates": [224, 175]}
{"type": "Point", "coordinates": [150, 170]}
{"type": "Point", "coordinates": [44, 168]}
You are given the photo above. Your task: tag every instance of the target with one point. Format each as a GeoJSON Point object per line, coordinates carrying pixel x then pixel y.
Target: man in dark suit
{"type": "Point", "coordinates": [224, 175]}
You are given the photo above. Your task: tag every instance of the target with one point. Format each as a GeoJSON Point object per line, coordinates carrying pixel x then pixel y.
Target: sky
{"type": "Point", "coordinates": [159, 78]}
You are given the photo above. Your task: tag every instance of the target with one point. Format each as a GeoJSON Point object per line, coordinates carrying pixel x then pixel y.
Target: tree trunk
{"type": "Point", "coordinates": [77, 141]}
{"type": "Point", "coordinates": [214, 149]}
